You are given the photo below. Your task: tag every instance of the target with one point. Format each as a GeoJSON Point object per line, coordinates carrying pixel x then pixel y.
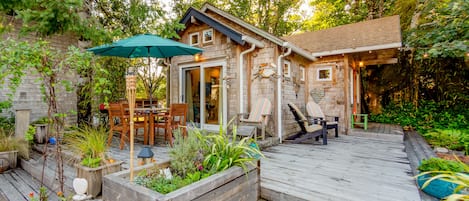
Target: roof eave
{"type": "Point", "coordinates": [358, 49]}
{"type": "Point", "coordinates": [252, 28]}
{"type": "Point", "coordinates": [299, 51]}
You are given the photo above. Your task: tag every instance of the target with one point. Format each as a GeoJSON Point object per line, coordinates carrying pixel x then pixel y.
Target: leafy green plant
{"type": "Point", "coordinates": [429, 115]}
{"type": "Point", "coordinates": [187, 153]}
{"type": "Point", "coordinates": [7, 124]}
{"type": "Point", "coordinates": [439, 164]}
{"type": "Point", "coordinates": [159, 183]}
{"type": "Point", "coordinates": [449, 138]}
{"type": "Point", "coordinates": [224, 152]}
{"type": "Point", "coordinates": [450, 171]}
{"type": "Point", "coordinates": [29, 135]}
{"type": "Point", "coordinates": [88, 142]}
{"type": "Point", "coordinates": [198, 156]}
{"type": "Point", "coordinates": [42, 120]}
{"type": "Point", "coordinates": [91, 162]}
{"type": "Point", "coordinates": [8, 142]}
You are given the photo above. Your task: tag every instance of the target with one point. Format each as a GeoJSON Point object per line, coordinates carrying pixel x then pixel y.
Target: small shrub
{"type": "Point", "coordinates": [439, 164]}
{"type": "Point", "coordinates": [187, 153]}
{"type": "Point", "coordinates": [7, 125]}
{"type": "Point", "coordinates": [8, 142]}
{"type": "Point", "coordinates": [449, 171]}
{"type": "Point", "coordinates": [449, 138]}
{"type": "Point", "coordinates": [88, 142]}
{"type": "Point", "coordinates": [198, 156]}
{"type": "Point", "coordinates": [29, 136]}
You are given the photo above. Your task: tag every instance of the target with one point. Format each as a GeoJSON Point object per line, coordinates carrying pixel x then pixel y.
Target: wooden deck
{"type": "Point", "coordinates": [363, 166]}
{"type": "Point", "coordinates": [369, 166]}
{"type": "Point", "coordinates": [16, 184]}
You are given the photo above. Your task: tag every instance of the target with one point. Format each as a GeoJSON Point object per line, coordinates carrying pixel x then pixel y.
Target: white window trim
{"type": "Point", "coordinates": [203, 36]}
{"type": "Point", "coordinates": [190, 38]}
{"type": "Point", "coordinates": [286, 73]}
{"type": "Point", "coordinates": [302, 73]}
{"type": "Point", "coordinates": [324, 79]}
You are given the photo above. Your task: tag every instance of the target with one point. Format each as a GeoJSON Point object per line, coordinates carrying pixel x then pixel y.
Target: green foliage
{"type": "Point", "coordinates": [8, 142]}
{"type": "Point", "coordinates": [88, 142]}
{"type": "Point", "coordinates": [224, 153]}
{"type": "Point", "coordinates": [198, 156]}
{"type": "Point", "coordinates": [187, 153]}
{"type": "Point", "coordinates": [91, 162]}
{"type": "Point", "coordinates": [442, 29]}
{"type": "Point", "coordinates": [439, 164]}
{"type": "Point", "coordinates": [449, 138]}
{"type": "Point", "coordinates": [160, 184]}
{"type": "Point", "coordinates": [42, 120]}
{"type": "Point", "coordinates": [451, 173]}
{"type": "Point", "coordinates": [29, 135]}
{"type": "Point", "coordinates": [7, 124]}
{"type": "Point", "coordinates": [429, 115]}
{"type": "Point", "coordinates": [50, 17]}
{"type": "Point", "coordinates": [280, 17]}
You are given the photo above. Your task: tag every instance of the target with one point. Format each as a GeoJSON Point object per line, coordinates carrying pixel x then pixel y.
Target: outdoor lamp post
{"type": "Point", "coordinates": [145, 156]}
{"type": "Point", "coordinates": [130, 83]}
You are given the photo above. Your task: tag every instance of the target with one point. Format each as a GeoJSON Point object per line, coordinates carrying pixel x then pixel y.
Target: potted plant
{"type": "Point", "coordinates": [42, 126]}
{"type": "Point", "coordinates": [203, 166]}
{"type": "Point", "coordinates": [11, 147]}
{"type": "Point", "coordinates": [442, 178]}
{"type": "Point", "coordinates": [91, 145]}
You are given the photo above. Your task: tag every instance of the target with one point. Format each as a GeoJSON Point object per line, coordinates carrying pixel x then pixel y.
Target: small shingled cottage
{"type": "Point", "coordinates": [242, 63]}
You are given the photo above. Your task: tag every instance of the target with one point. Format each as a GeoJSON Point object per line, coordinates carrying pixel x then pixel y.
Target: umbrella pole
{"type": "Point", "coordinates": [150, 86]}
{"type": "Point", "coordinates": [131, 90]}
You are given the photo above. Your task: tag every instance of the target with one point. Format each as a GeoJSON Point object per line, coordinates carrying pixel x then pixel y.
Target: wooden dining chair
{"type": "Point", "coordinates": [140, 121]}
{"type": "Point", "coordinates": [161, 121]}
{"type": "Point", "coordinates": [177, 118]}
{"type": "Point", "coordinates": [118, 122]}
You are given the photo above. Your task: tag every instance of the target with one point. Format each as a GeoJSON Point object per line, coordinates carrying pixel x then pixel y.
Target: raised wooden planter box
{"type": "Point", "coordinates": [231, 185]}
{"type": "Point", "coordinates": [11, 157]}
{"type": "Point", "coordinates": [94, 176]}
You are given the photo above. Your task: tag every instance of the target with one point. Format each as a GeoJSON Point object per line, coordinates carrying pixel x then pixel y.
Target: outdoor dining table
{"type": "Point", "coordinates": [150, 113]}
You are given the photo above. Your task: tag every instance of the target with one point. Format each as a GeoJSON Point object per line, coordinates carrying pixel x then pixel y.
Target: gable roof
{"type": "Point", "coordinates": [382, 33]}
{"type": "Point", "coordinates": [242, 23]}
{"type": "Point", "coordinates": [225, 29]}
{"type": "Point", "coordinates": [234, 34]}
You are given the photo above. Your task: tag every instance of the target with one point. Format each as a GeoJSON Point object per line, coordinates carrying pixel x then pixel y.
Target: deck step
{"type": "Point", "coordinates": [418, 149]}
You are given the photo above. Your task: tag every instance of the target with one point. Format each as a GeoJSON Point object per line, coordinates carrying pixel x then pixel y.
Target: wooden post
{"type": "Point", "coordinates": [130, 81]}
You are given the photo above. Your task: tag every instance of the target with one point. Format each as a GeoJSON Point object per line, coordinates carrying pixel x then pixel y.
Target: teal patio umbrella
{"type": "Point", "coordinates": [144, 45]}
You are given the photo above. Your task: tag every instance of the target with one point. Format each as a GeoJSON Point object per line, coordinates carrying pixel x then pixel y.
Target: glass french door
{"type": "Point", "coordinates": [202, 91]}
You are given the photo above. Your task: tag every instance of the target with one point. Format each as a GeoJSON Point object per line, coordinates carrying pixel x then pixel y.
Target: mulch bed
{"type": "Point", "coordinates": [463, 158]}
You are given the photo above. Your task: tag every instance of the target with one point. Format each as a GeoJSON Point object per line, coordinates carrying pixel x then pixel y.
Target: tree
{"type": "Point", "coordinates": [278, 17]}
{"type": "Point", "coordinates": [54, 70]}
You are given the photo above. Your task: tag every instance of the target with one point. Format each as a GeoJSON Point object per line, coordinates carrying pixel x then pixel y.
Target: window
{"type": "Point", "coordinates": [325, 74]}
{"type": "Point", "coordinates": [207, 36]}
{"type": "Point", "coordinates": [194, 38]}
{"type": "Point", "coordinates": [286, 68]}
{"type": "Point", "coordinates": [302, 73]}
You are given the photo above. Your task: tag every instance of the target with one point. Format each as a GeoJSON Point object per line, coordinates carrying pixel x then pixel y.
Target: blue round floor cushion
{"type": "Point", "coordinates": [437, 188]}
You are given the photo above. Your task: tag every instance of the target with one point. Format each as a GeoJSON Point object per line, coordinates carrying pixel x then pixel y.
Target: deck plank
{"type": "Point", "coordinates": [348, 168]}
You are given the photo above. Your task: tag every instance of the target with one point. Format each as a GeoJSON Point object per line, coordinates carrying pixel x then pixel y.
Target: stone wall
{"type": "Point", "coordinates": [28, 94]}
